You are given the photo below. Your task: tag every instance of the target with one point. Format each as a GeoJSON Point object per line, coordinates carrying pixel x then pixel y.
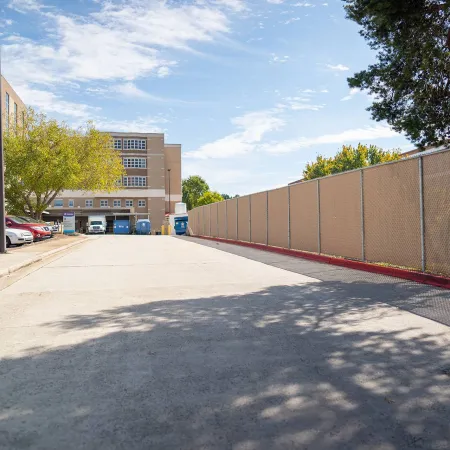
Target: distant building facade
{"type": "Point", "coordinates": [153, 176]}
{"type": "Point", "coordinates": [12, 108]}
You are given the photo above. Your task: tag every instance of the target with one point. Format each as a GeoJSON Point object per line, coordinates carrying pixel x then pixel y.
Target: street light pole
{"type": "Point", "coordinates": [168, 170]}
{"type": "Point", "coordinates": [2, 172]}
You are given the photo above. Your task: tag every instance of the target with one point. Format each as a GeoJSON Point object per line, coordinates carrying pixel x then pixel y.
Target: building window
{"type": "Point", "coordinates": [141, 203]}
{"type": "Point", "coordinates": [134, 144]}
{"type": "Point", "coordinates": [15, 114]}
{"type": "Point", "coordinates": [89, 203]}
{"type": "Point", "coordinates": [58, 203]}
{"type": "Point", "coordinates": [129, 203]}
{"type": "Point", "coordinates": [135, 181]}
{"type": "Point", "coordinates": [103, 203]}
{"type": "Point", "coordinates": [7, 110]}
{"type": "Point", "coordinates": [71, 203]}
{"type": "Point", "coordinates": [135, 163]}
{"type": "Point", "coordinates": [117, 203]}
{"type": "Point", "coordinates": [117, 144]}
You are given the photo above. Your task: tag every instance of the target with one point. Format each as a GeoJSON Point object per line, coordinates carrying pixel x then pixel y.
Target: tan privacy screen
{"type": "Point", "coordinates": [436, 187]}
{"type": "Point", "coordinates": [340, 215]}
{"type": "Point", "coordinates": [222, 224]}
{"type": "Point", "coordinates": [392, 214]}
{"type": "Point", "coordinates": [278, 217]}
{"type": "Point", "coordinates": [207, 216]}
{"type": "Point", "coordinates": [244, 219]}
{"type": "Point", "coordinates": [232, 218]}
{"type": "Point", "coordinates": [214, 210]}
{"type": "Point", "coordinates": [259, 217]}
{"type": "Point", "coordinates": [304, 235]}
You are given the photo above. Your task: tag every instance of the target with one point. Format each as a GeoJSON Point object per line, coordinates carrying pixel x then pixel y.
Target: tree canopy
{"type": "Point", "coordinates": [44, 157]}
{"type": "Point", "coordinates": [410, 81]}
{"type": "Point", "coordinates": [348, 158]}
{"type": "Point", "coordinates": [208, 198]}
{"type": "Point", "coordinates": [193, 188]}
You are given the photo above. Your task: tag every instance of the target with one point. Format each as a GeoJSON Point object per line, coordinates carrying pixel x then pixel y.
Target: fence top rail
{"type": "Point", "coordinates": [375, 166]}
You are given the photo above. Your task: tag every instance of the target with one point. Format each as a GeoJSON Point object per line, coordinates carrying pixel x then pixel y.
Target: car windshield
{"type": "Point", "coordinates": [18, 220]}
{"type": "Point", "coordinates": [26, 219]}
{"type": "Point", "coordinates": [96, 222]}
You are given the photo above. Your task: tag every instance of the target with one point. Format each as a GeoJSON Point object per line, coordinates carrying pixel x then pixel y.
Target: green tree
{"type": "Point", "coordinates": [410, 81]}
{"type": "Point", "coordinates": [193, 188]}
{"type": "Point", "coordinates": [348, 158]}
{"type": "Point", "coordinates": [208, 198]}
{"type": "Point", "coordinates": [226, 196]}
{"type": "Point", "coordinates": [44, 157]}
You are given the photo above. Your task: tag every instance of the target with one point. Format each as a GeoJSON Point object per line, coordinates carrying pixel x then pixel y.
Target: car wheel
{"type": "Point", "coordinates": [8, 242]}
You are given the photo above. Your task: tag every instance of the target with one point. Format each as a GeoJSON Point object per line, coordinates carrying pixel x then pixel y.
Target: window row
{"type": "Point", "coordinates": [129, 144]}
{"type": "Point", "coordinates": [59, 203]}
{"type": "Point", "coordinates": [8, 112]}
{"type": "Point", "coordinates": [134, 181]}
{"type": "Point", "coordinates": [135, 163]}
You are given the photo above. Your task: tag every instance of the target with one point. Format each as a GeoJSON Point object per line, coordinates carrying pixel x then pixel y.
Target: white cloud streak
{"type": "Point", "coordinates": [345, 137]}
{"type": "Point", "coordinates": [23, 6]}
{"type": "Point", "coordinates": [338, 67]}
{"type": "Point", "coordinates": [252, 128]}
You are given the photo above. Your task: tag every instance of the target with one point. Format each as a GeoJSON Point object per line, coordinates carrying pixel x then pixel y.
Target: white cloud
{"type": "Point", "coordinates": [5, 22]}
{"type": "Point", "coordinates": [252, 128]}
{"type": "Point", "coordinates": [124, 40]}
{"type": "Point", "coordinates": [351, 94]}
{"type": "Point", "coordinates": [50, 102]}
{"type": "Point", "coordinates": [236, 5]}
{"type": "Point", "coordinates": [345, 137]}
{"type": "Point", "coordinates": [24, 5]}
{"type": "Point", "coordinates": [274, 59]}
{"type": "Point", "coordinates": [291, 20]}
{"type": "Point", "coordinates": [304, 4]}
{"type": "Point", "coordinates": [145, 124]}
{"type": "Point", "coordinates": [275, 2]}
{"type": "Point", "coordinates": [338, 67]}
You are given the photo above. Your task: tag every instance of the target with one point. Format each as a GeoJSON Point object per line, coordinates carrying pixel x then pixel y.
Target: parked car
{"type": "Point", "coordinates": [53, 228]}
{"type": "Point", "coordinates": [16, 236]}
{"type": "Point", "coordinates": [38, 230]}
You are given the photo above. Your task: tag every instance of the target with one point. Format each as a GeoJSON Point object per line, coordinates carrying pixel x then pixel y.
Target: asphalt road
{"type": "Point", "coordinates": [133, 342]}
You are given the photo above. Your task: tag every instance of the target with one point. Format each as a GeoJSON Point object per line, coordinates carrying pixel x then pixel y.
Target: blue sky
{"type": "Point", "coordinates": [252, 89]}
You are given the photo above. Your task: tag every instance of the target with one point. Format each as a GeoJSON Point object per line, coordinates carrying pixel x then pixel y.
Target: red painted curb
{"type": "Point", "coordinates": [419, 277]}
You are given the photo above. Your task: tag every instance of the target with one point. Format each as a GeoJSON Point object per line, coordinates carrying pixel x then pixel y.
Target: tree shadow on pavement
{"type": "Point", "coordinates": [315, 366]}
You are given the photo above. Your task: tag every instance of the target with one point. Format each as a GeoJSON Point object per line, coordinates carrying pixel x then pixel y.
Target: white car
{"type": "Point", "coordinates": [14, 236]}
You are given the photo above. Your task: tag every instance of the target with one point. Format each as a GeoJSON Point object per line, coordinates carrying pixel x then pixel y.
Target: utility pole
{"type": "Point", "coordinates": [2, 172]}
{"type": "Point", "coordinates": [168, 170]}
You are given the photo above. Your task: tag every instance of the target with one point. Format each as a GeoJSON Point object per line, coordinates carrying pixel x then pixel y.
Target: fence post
{"type": "Point", "coordinates": [422, 215]}
{"type": "Point", "coordinates": [209, 207]}
{"type": "Point", "coordinates": [250, 217]}
{"type": "Point", "coordinates": [267, 217]}
{"type": "Point", "coordinates": [289, 216]}
{"type": "Point", "coordinates": [226, 219]}
{"type": "Point", "coordinates": [217, 226]}
{"type": "Point", "coordinates": [318, 218]}
{"type": "Point", "coordinates": [203, 227]}
{"type": "Point", "coordinates": [363, 231]}
{"type": "Point", "coordinates": [237, 218]}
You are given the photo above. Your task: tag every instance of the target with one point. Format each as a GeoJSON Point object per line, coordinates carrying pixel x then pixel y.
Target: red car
{"type": "Point", "coordinates": [38, 230]}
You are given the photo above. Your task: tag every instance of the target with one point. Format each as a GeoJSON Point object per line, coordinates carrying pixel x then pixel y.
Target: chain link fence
{"type": "Point", "coordinates": [395, 214]}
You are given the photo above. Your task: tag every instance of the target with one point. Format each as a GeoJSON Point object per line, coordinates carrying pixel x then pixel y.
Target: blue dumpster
{"type": "Point", "coordinates": [180, 225]}
{"type": "Point", "coordinates": [143, 226]}
{"type": "Point", "coordinates": [121, 227]}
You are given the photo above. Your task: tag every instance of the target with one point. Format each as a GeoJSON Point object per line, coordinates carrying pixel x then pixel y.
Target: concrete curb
{"type": "Point", "coordinates": [42, 256]}
{"type": "Point", "coordinates": [418, 277]}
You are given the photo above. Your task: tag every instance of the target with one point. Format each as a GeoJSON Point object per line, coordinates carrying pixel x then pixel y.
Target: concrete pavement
{"type": "Point", "coordinates": [135, 342]}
